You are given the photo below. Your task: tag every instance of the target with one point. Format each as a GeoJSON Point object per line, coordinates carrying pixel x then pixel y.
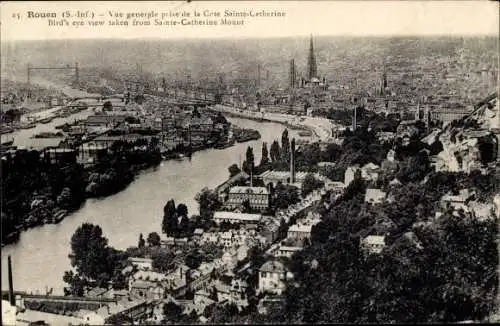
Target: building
{"type": "Point", "coordinates": [272, 277]}
{"type": "Point", "coordinates": [131, 309]}
{"type": "Point", "coordinates": [275, 177]}
{"type": "Point", "coordinates": [299, 231]}
{"type": "Point", "coordinates": [147, 290]}
{"type": "Point", "coordinates": [372, 244]}
{"type": "Point", "coordinates": [233, 217]}
{"type": "Point", "coordinates": [257, 197]}
{"type": "Point", "coordinates": [286, 251]}
{"type": "Point", "coordinates": [59, 155]}
{"type": "Point", "coordinates": [374, 196]}
{"type": "Point", "coordinates": [143, 264]}
{"type": "Point", "coordinates": [370, 172]}
{"type": "Point", "coordinates": [349, 174]}
{"type": "Point", "coordinates": [458, 201]}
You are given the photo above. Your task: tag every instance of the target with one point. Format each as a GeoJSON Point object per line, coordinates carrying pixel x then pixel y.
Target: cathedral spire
{"type": "Point", "coordinates": [312, 69]}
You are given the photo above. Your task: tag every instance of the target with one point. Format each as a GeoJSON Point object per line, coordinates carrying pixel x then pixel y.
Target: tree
{"type": "Point", "coordinates": [275, 152]}
{"type": "Point", "coordinates": [309, 184]}
{"type": "Point", "coordinates": [249, 163]}
{"type": "Point", "coordinates": [91, 256]}
{"type": "Point", "coordinates": [233, 170]}
{"type": "Point", "coordinates": [153, 239]}
{"type": "Point", "coordinates": [285, 145]}
{"type": "Point", "coordinates": [141, 242]}
{"type": "Point", "coordinates": [194, 259]}
{"type": "Point", "coordinates": [163, 260]}
{"type": "Point", "coordinates": [182, 210]}
{"type": "Point", "coordinates": [169, 217]}
{"type": "Point", "coordinates": [265, 155]}
{"type": "Point", "coordinates": [171, 312]}
{"type": "Point", "coordinates": [107, 106]}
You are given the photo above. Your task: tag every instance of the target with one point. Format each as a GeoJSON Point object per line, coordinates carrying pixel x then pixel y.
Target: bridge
{"type": "Point", "coordinates": [59, 299]}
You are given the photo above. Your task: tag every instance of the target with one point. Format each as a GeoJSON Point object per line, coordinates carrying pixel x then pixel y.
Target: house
{"type": "Point", "coordinates": [270, 231]}
{"type": "Point", "coordinates": [30, 317]}
{"type": "Point", "coordinates": [142, 264]}
{"type": "Point", "coordinates": [133, 309]}
{"type": "Point", "coordinates": [481, 211]}
{"type": "Point", "coordinates": [201, 277]}
{"type": "Point", "coordinates": [286, 251]}
{"type": "Point", "coordinates": [233, 217]}
{"type": "Point", "coordinates": [223, 291]}
{"type": "Point", "coordinates": [275, 177]}
{"type": "Point", "coordinates": [59, 155]}
{"type": "Point", "coordinates": [197, 234]}
{"type": "Point", "coordinates": [257, 197]}
{"type": "Point", "coordinates": [299, 231]}
{"type": "Point", "coordinates": [96, 292]}
{"type": "Point", "coordinates": [336, 187]}
{"type": "Point", "coordinates": [147, 285]}
{"type": "Point", "coordinates": [370, 172]}
{"type": "Point", "coordinates": [373, 244]}
{"type": "Point", "coordinates": [374, 196]}
{"type": "Point", "coordinates": [349, 174]}
{"type": "Point", "coordinates": [223, 187]}
{"type": "Point", "coordinates": [272, 277]}
{"type": "Point", "coordinates": [458, 201]}
{"type": "Point", "coordinates": [147, 290]}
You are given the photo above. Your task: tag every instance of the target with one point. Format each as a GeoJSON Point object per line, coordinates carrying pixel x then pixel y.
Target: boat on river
{"type": "Point", "coordinates": [46, 120]}
{"type": "Point", "coordinates": [28, 125]}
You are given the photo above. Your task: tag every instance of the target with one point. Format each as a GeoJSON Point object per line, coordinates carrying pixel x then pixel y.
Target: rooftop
{"type": "Point", "coordinates": [273, 266]}
{"type": "Point", "coordinates": [374, 240]}
{"type": "Point", "coordinates": [249, 190]}
{"type": "Point", "coordinates": [300, 228]}
{"type": "Point", "coordinates": [239, 216]}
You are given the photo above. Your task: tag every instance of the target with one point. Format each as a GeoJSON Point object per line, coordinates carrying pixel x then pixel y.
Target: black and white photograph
{"type": "Point", "coordinates": [249, 162]}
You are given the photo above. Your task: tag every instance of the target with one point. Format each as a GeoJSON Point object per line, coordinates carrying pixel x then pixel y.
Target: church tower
{"type": "Point", "coordinates": [312, 69]}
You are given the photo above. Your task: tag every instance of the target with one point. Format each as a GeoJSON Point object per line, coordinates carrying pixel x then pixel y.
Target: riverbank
{"type": "Point", "coordinates": [261, 119]}
{"type": "Point", "coordinates": [320, 127]}
{"type": "Point", "coordinates": [111, 175]}
{"type": "Point", "coordinates": [134, 210]}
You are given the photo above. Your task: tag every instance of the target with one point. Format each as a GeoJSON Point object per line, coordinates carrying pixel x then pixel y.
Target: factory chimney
{"type": "Point", "coordinates": [292, 73]}
{"type": "Point", "coordinates": [292, 161]}
{"type": "Point", "coordinates": [12, 299]}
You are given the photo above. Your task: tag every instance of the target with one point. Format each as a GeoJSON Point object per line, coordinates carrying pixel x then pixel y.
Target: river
{"type": "Point", "coordinates": [40, 257]}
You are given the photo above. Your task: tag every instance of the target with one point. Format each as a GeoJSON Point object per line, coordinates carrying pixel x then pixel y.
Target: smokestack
{"type": "Point", "coordinates": [354, 122]}
{"type": "Point", "coordinates": [12, 299]}
{"type": "Point", "coordinates": [292, 161]}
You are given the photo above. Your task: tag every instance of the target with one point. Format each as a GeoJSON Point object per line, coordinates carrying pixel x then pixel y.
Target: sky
{"type": "Point", "coordinates": [348, 18]}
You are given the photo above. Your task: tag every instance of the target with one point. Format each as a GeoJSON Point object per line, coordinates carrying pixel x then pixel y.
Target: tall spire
{"type": "Point", "coordinates": [312, 69]}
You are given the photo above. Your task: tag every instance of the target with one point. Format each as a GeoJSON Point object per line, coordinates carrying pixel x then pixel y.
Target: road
{"type": "Point", "coordinates": [321, 127]}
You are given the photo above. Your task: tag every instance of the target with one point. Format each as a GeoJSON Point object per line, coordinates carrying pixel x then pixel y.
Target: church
{"type": "Point", "coordinates": [312, 79]}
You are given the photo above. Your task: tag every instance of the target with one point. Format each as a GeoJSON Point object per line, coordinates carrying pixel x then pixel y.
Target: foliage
{"type": "Point", "coordinates": [171, 312]}
{"type": "Point", "coordinates": [309, 184]}
{"type": "Point", "coordinates": [233, 170]}
{"type": "Point", "coordinates": [163, 260]}
{"type": "Point", "coordinates": [141, 243]}
{"type": "Point", "coordinates": [169, 217]}
{"type": "Point", "coordinates": [265, 155]}
{"type": "Point", "coordinates": [153, 239]}
{"type": "Point", "coordinates": [249, 163]}
{"type": "Point", "coordinates": [208, 201]}
{"type": "Point", "coordinates": [284, 196]}
{"type": "Point", "coordinates": [285, 146]}
{"type": "Point", "coordinates": [275, 152]}
{"type": "Point", "coordinates": [96, 263]}
{"type": "Point", "coordinates": [193, 259]}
